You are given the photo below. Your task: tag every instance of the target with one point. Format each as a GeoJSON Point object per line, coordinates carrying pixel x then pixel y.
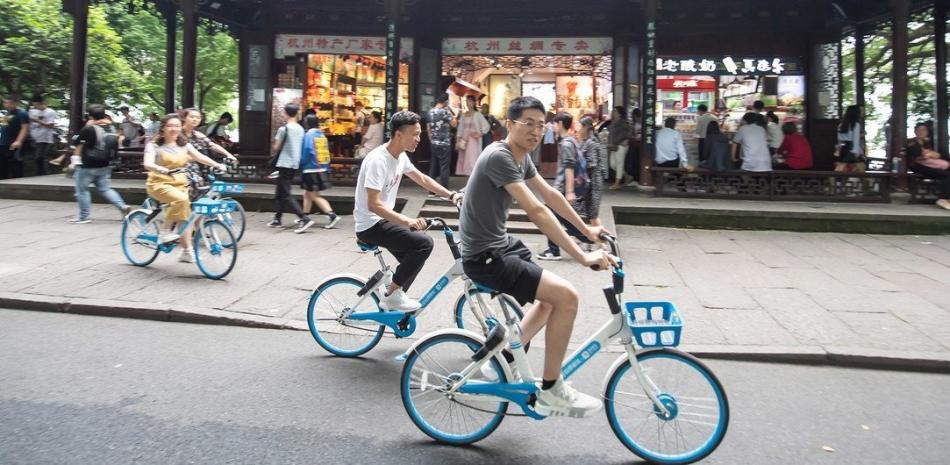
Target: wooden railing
{"type": "Point", "coordinates": [251, 168]}
{"type": "Point", "coordinates": [830, 186]}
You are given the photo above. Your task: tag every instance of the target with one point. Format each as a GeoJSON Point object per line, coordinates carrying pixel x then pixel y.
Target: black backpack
{"type": "Point", "coordinates": [106, 148]}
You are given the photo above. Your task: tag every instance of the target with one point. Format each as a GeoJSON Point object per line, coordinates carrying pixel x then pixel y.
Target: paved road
{"type": "Point", "coordinates": [739, 291]}
{"type": "Point", "coordinates": [91, 390]}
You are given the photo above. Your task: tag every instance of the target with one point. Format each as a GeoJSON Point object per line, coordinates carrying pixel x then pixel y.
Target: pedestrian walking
{"type": "Point", "coordinates": [42, 136]}
{"type": "Point", "coordinates": [618, 142]}
{"type": "Point", "coordinates": [570, 176]}
{"type": "Point", "coordinates": [440, 122]}
{"type": "Point", "coordinates": [472, 126]}
{"type": "Point", "coordinates": [315, 170]}
{"type": "Point", "coordinates": [96, 150]}
{"type": "Point", "coordinates": [14, 129]}
{"type": "Point", "coordinates": [588, 204]}
{"type": "Point", "coordinates": [288, 143]}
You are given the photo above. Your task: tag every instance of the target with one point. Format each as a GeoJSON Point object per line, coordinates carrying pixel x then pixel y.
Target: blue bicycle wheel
{"type": "Point", "coordinates": [465, 319]}
{"type": "Point", "coordinates": [457, 419]}
{"type": "Point", "coordinates": [139, 239]}
{"type": "Point", "coordinates": [343, 337]}
{"type": "Point", "coordinates": [215, 249]}
{"type": "Point", "coordinates": [697, 404]}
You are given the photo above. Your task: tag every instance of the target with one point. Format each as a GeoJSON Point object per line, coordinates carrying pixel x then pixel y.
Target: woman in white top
{"type": "Point", "coordinates": [849, 157]}
{"type": "Point", "coordinates": [374, 134]}
{"type": "Point", "coordinates": [171, 151]}
{"type": "Point", "coordinates": [472, 126]}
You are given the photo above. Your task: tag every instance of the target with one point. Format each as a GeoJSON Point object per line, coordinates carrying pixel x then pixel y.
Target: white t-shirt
{"type": "Point", "coordinates": [379, 171]}
{"type": "Point", "coordinates": [755, 148]}
{"type": "Point", "coordinates": [38, 132]}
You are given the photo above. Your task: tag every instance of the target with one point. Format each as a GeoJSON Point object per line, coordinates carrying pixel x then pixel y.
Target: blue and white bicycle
{"type": "Point", "coordinates": [663, 404]}
{"type": "Point", "coordinates": [345, 317]}
{"type": "Point", "coordinates": [208, 186]}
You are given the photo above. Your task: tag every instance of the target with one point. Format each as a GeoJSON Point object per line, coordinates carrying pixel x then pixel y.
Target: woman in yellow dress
{"type": "Point", "coordinates": [170, 151]}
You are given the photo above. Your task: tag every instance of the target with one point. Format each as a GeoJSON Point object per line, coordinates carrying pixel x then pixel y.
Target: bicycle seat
{"type": "Point", "coordinates": [365, 247]}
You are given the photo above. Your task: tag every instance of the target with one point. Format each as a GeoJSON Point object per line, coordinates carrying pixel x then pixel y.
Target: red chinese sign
{"type": "Point", "coordinates": [528, 46]}
{"type": "Point", "coordinates": [288, 45]}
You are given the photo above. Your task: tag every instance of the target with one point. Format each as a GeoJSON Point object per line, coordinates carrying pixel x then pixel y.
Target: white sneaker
{"type": "Point", "coordinates": [563, 400]}
{"type": "Point", "coordinates": [399, 301]}
{"type": "Point", "coordinates": [170, 237]}
{"type": "Point", "coordinates": [186, 256]}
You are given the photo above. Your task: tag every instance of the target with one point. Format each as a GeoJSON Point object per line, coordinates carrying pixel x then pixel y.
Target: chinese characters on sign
{"type": "Point", "coordinates": [649, 91]}
{"type": "Point", "coordinates": [392, 71]}
{"type": "Point", "coordinates": [534, 45]}
{"type": "Point", "coordinates": [729, 65]}
{"type": "Point", "coordinates": [288, 45]}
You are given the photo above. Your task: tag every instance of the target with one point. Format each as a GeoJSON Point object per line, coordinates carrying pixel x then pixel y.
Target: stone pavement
{"type": "Point", "coordinates": [814, 297]}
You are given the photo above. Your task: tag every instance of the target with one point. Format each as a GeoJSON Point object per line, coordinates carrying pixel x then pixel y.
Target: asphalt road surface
{"type": "Point", "coordinates": [90, 390]}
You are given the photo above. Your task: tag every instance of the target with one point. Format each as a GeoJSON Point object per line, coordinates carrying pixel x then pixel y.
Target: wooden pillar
{"type": "Point", "coordinates": [940, 49]}
{"type": "Point", "coordinates": [901, 12]}
{"type": "Point", "coordinates": [171, 39]}
{"type": "Point", "coordinates": [648, 89]}
{"type": "Point", "coordinates": [859, 45]}
{"type": "Point", "coordinates": [189, 11]}
{"type": "Point", "coordinates": [79, 9]}
{"type": "Point", "coordinates": [394, 9]}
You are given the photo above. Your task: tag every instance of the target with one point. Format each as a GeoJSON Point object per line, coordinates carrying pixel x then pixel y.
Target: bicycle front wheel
{"type": "Point", "coordinates": [429, 371]}
{"type": "Point", "coordinates": [697, 404]}
{"type": "Point", "coordinates": [139, 239]}
{"type": "Point", "coordinates": [215, 249]}
{"type": "Point", "coordinates": [236, 220]}
{"type": "Point", "coordinates": [339, 336]}
{"type": "Point", "coordinates": [466, 319]}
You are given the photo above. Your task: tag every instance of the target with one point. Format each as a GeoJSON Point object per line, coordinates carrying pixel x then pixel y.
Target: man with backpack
{"type": "Point", "coordinates": [572, 179]}
{"type": "Point", "coordinates": [98, 148]}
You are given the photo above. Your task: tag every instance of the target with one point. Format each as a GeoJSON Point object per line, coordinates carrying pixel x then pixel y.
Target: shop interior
{"type": "Point", "coordinates": [330, 86]}
{"type": "Point", "coordinates": [728, 98]}
{"type": "Point", "coordinates": [579, 85]}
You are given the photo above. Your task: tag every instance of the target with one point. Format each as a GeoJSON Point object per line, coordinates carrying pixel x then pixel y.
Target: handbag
{"type": "Point", "coordinates": [461, 140]}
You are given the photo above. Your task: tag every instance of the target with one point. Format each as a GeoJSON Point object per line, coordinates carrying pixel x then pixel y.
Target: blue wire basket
{"type": "Point", "coordinates": [227, 188]}
{"type": "Point", "coordinates": [208, 207]}
{"type": "Point", "coordinates": [654, 324]}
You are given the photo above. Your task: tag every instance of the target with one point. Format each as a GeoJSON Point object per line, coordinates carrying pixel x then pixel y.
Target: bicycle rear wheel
{"type": "Point", "coordinates": [344, 338]}
{"type": "Point", "coordinates": [699, 409]}
{"type": "Point", "coordinates": [429, 370]}
{"type": "Point", "coordinates": [215, 249]}
{"type": "Point", "coordinates": [139, 239]}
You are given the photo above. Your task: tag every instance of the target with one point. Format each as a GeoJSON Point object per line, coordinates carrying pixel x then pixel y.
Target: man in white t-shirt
{"type": "Point", "coordinates": [42, 122]}
{"type": "Point", "coordinates": [377, 223]}
{"type": "Point", "coordinates": [754, 142]}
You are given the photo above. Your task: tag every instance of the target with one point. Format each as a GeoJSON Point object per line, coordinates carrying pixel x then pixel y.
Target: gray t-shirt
{"type": "Point", "coordinates": [290, 151]}
{"type": "Point", "coordinates": [486, 204]}
{"type": "Point", "coordinates": [566, 158]}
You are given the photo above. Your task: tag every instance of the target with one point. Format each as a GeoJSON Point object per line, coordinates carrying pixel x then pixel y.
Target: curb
{"type": "Point", "coordinates": [125, 309]}
{"type": "Point", "coordinates": [801, 355]}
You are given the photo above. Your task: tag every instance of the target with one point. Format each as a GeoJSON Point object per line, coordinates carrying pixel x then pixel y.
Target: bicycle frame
{"type": "Point", "coordinates": [521, 387]}
{"type": "Point", "coordinates": [402, 323]}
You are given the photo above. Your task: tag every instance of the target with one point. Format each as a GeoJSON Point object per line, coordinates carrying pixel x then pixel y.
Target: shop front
{"type": "Point", "coordinates": [728, 86]}
{"type": "Point", "coordinates": [566, 74]}
{"type": "Point", "coordinates": [336, 78]}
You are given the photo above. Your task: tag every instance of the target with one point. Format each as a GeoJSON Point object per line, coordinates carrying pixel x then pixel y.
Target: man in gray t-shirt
{"type": "Point", "coordinates": [502, 175]}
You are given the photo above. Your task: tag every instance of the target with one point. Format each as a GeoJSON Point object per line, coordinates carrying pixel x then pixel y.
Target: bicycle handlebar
{"type": "Point", "coordinates": [614, 250]}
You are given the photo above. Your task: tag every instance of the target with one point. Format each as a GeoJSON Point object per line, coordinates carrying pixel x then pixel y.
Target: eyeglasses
{"type": "Point", "coordinates": [538, 126]}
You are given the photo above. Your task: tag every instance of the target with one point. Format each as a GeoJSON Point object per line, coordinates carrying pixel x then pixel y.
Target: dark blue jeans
{"type": "Point", "coordinates": [439, 163]}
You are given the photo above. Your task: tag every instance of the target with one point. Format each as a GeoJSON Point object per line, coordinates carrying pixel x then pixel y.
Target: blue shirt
{"type": "Point", "coordinates": [10, 126]}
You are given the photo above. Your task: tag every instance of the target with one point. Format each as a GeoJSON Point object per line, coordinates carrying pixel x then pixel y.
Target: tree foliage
{"type": "Point", "coordinates": [126, 57]}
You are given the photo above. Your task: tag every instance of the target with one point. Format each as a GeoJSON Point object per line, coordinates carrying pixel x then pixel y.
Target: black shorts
{"type": "Point", "coordinates": [508, 270]}
{"type": "Point", "coordinates": [314, 182]}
